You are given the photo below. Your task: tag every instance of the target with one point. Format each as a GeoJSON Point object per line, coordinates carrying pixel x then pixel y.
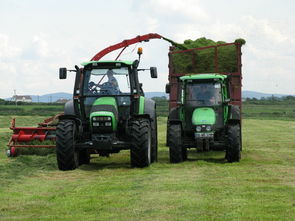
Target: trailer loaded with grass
{"type": "Point", "coordinates": [205, 98]}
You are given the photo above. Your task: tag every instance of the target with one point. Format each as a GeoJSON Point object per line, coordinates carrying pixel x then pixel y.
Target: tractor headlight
{"type": "Point", "coordinates": [208, 128]}
{"type": "Point", "coordinates": [102, 121]}
{"type": "Point", "coordinates": [108, 124]}
{"type": "Point", "coordinates": [101, 118]}
{"type": "Point", "coordinates": [95, 124]}
{"type": "Point", "coordinates": [198, 128]}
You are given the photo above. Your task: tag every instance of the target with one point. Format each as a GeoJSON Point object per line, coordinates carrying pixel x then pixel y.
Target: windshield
{"type": "Point", "coordinates": [206, 94]}
{"type": "Point", "coordinates": [107, 82]}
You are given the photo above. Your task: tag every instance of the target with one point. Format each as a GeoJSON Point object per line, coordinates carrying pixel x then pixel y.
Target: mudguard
{"type": "Point", "coordinates": [234, 113]}
{"type": "Point", "coordinates": [150, 108]}
{"type": "Point", "coordinates": [69, 108]}
{"type": "Point", "coordinates": [174, 115]}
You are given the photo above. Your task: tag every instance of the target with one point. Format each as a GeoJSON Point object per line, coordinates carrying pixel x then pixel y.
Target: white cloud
{"type": "Point", "coordinates": [152, 24]}
{"type": "Point", "coordinates": [190, 9]}
{"type": "Point", "coordinates": [7, 49]}
{"type": "Point", "coordinates": [38, 48]}
{"type": "Point", "coordinates": [31, 59]}
{"type": "Point", "coordinates": [264, 28]}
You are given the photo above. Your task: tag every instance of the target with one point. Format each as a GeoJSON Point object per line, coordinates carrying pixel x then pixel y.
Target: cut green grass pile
{"type": "Point", "coordinates": [206, 187]}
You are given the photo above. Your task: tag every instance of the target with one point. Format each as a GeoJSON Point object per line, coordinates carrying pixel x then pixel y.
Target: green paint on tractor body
{"type": "Point", "coordinates": [203, 77]}
{"type": "Point", "coordinates": [105, 107]}
{"type": "Point", "coordinates": [203, 115]}
{"type": "Point", "coordinates": [105, 101]}
{"type": "Point", "coordinates": [141, 105]}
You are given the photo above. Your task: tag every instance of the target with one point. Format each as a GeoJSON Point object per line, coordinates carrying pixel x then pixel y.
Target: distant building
{"type": "Point", "coordinates": [62, 101]}
{"type": "Point", "coordinates": [22, 98]}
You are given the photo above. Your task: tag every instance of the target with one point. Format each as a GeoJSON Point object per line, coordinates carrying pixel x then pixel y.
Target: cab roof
{"type": "Point", "coordinates": [103, 62]}
{"type": "Point", "coordinates": [203, 77]}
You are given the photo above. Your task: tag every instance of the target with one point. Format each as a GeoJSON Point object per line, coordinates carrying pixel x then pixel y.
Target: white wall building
{"type": "Point", "coordinates": [22, 98]}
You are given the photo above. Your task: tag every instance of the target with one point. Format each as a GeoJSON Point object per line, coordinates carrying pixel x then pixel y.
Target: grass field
{"type": "Point", "coordinates": [260, 187]}
{"type": "Point", "coordinates": [279, 112]}
{"type": "Point", "coordinates": [33, 109]}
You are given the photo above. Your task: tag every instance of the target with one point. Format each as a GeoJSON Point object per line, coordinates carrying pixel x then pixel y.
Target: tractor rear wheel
{"type": "Point", "coordinates": [154, 131]}
{"type": "Point", "coordinates": [174, 139]}
{"type": "Point", "coordinates": [233, 151]}
{"type": "Point", "coordinates": [67, 156]}
{"type": "Point", "coordinates": [141, 138]}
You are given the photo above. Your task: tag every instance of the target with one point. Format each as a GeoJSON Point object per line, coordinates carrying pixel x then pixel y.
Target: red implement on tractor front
{"type": "Point", "coordinates": [23, 137]}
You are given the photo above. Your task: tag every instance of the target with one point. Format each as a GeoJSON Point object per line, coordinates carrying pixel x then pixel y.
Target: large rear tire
{"type": "Point", "coordinates": [233, 151]}
{"type": "Point", "coordinates": [175, 144]}
{"type": "Point", "coordinates": [66, 155]}
{"type": "Point", "coordinates": [140, 153]}
{"type": "Point", "coordinates": [154, 130]}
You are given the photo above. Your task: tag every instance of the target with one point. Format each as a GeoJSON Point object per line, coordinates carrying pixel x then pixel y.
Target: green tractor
{"type": "Point", "coordinates": [204, 119]}
{"type": "Point", "coordinates": [108, 113]}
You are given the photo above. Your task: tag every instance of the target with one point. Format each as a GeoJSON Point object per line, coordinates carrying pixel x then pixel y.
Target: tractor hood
{"type": "Point", "coordinates": [104, 115]}
{"type": "Point", "coordinates": [203, 115]}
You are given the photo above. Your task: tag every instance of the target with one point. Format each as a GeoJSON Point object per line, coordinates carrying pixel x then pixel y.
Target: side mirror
{"type": "Point", "coordinates": [154, 73]}
{"type": "Point", "coordinates": [62, 73]}
{"type": "Point", "coordinates": [167, 89]}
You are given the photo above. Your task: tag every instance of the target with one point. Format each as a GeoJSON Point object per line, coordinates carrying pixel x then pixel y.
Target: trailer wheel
{"type": "Point", "coordinates": [174, 139]}
{"type": "Point", "coordinates": [233, 151]}
{"type": "Point", "coordinates": [140, 153]}
{"type": "Point", "coordinates": [67, 156]}
{"type": "Point", "coordinates": [154, 131]}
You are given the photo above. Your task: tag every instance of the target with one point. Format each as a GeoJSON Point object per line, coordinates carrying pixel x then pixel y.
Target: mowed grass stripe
{"type": "Point", "coordinates": [260, 187]}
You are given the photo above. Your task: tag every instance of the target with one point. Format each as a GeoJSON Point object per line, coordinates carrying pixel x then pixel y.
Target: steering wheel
{"type": "Point", "coordinates": [106, 88]}
{"type": "Point", "coordinates": [92, 87]}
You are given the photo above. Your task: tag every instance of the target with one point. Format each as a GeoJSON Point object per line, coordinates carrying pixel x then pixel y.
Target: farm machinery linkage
{"type": "Point", "coordinates": [25, 137]}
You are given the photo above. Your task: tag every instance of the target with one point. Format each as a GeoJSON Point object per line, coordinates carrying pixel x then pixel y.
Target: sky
{"type": "Point", "coordinates": [38, 37]}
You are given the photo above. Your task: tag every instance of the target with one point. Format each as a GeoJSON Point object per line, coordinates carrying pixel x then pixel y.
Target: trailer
{"type": "Point", "coordinates": [205, 102]}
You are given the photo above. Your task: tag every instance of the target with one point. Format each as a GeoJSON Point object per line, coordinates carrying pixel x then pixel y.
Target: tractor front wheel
{"type": "Point", "coordinates": [67, 156]}
{"type": "Point", "coordinates": [140, 153]}
{"type": "Point", "coordinates": [176, 152]}
{"type": "Point", "coordinates": [233, 151]}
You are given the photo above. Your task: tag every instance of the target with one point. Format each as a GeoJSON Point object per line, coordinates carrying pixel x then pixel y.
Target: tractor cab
{"type": "Point", "coordinates": [108, 87]}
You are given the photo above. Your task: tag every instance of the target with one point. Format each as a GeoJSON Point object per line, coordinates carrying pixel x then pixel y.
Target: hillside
{"type": "Point", "coordinates": [53, 97]}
